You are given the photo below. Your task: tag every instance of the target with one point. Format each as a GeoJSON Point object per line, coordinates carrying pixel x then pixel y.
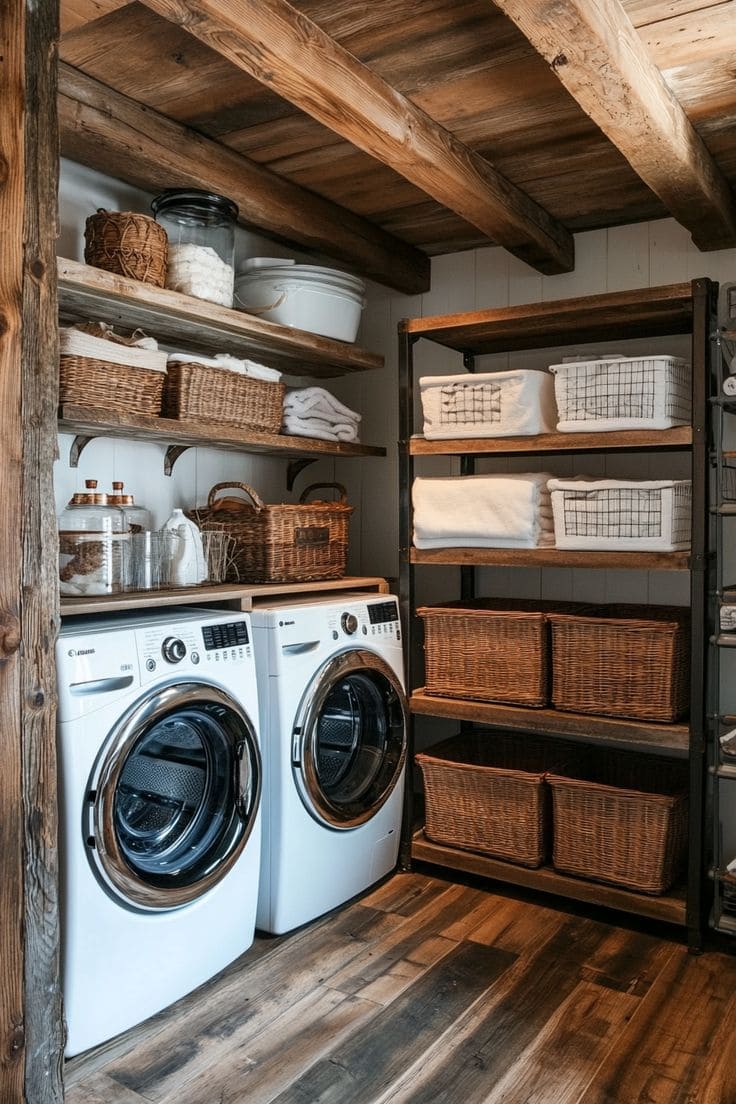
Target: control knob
{"type": "Point", "coordinates": [173, 649]}
{"type": "Point", "coordinates": [349, 623]}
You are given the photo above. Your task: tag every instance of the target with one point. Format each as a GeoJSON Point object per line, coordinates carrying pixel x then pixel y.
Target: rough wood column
{"type": "Point", "coordinates": [31, 1034]}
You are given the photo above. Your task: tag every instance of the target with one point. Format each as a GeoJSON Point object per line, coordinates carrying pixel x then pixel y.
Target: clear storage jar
{"type": "Point", "coordinates": [94, 542]}
{"type": "Point", "coordinates": [138, 517]}
{"type": "Point", "coordinates": [201, 230]}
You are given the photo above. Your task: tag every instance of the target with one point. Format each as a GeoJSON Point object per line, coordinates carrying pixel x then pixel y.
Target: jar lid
{"type": "Point", "coordinates": [192, 203]}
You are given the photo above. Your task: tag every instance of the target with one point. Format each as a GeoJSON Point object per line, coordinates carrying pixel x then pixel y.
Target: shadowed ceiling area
{"type": "Point", "coordinates": [377, 135]}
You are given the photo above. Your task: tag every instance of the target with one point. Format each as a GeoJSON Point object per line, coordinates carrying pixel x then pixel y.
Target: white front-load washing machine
{"type": "Point", "coordinates": [333, 724]}
{"type": "Point", "coordinates": [160, 781]}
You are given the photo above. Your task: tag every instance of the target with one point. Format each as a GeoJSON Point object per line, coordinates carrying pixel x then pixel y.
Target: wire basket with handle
{"type": "Point", "coordinates": [282, 543]}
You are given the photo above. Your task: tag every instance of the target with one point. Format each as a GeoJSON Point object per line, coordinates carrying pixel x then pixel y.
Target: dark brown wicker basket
{"type": "Point", "coordinates": [486, 792]}
{"type": "Point", "coordinates": [622, 661]}
{"type": "Point", "coordinates": [128, 244]}
{"type": "Point", "coordinates": [280, 543]}
{"type": "Point", "coordinates": [623, 820]}
{"type": "Point", "coordinates": [202, 393]}
{"type": "Point", "coordinates": [489, 649]}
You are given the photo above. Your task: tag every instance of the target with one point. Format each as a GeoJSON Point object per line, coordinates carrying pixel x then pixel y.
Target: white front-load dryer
{"type": "Point", "coordinates": [160, 781]}
{"type": "Point", "coordinates": [333, 724]}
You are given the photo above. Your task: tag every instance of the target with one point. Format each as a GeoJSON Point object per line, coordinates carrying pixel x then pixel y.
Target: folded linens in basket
{"type": "Point", "coordinates": [520, 402]}
{"type": "Point", "coordinates": [482, 511]}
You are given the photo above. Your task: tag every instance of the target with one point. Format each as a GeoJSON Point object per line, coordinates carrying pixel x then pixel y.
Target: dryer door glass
{"type": "Point", "coordinates": [353, 739]}
{"type": "Point", "coordinates": [178, 797]}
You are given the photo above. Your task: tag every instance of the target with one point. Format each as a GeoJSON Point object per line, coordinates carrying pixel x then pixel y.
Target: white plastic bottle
{"type": "Point", "coordinates": [188, 565]}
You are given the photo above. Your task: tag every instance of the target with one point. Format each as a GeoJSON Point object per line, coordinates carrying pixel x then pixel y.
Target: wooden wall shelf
{"type": "Point", "coordinates": [197, 326]}
{"type": "Point", "coordinates": [87, 423]}
{"type": "Point", "coordinates": [235, 595]}
{"type": "Point", "coordinates": [670, 739]}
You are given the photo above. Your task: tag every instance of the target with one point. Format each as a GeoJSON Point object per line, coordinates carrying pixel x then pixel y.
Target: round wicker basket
{"type": "Point", "coordinates": [128, 244]}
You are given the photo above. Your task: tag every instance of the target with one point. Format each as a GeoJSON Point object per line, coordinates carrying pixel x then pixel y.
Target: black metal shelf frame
{"type": "Point", "coordinates": [704, 311]}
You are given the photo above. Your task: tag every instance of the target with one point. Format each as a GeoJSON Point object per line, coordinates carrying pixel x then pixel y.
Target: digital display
{"type": "Point", "coordinates": [231, 635]}
{"type": "Point", "coordinates": [382, 612]}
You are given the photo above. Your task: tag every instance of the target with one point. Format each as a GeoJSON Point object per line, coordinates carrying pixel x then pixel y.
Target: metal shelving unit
{"type": "Point", "coordinates": [721, 719]}
{"type": "Point", "coordinates": [675, 309]}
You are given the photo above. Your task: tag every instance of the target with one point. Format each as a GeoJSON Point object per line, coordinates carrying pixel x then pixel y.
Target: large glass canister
{"type": "Point", "coordinates": [94, 542]}
{"type": "Point", "coordinates": [201, 230]}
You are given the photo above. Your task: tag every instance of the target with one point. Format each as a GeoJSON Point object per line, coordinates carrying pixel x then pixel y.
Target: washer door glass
{"type": "Point", "coordinates": [350, 739]}
{"type": "Point", "coordinates": [177, 796]}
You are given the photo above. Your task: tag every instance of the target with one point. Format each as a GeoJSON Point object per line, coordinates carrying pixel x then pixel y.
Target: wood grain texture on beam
{"type": "Point", "coordinates": [290, 54]}
{"type": "Point", "coordinates": [598, 56]}
{"type": "Point", "coordinates": [112, 133]}
{"type": "Point", "coordinates": [31, 1025]}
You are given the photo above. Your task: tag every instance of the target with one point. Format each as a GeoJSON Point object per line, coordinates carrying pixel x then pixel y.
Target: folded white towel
{"type": "Point", "coordinates": [481, 511]}
{"type": "Point", "coordinates": [248, 367]}
{"type": "Point", "coordinates": [318, 427]}
{"type": "Point", "coordinates": [315, 402]}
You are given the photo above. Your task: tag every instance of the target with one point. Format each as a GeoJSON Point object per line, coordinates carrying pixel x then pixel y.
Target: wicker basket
{"type": "Point", "coordinates": [489, 649]}
{"type": "Point", "coordinates": [280, 543]}
{"type": "Point", "coordinates": [109, 373]}
{"type": "Point", "coordinates": [622, 661]}
{"type": "Point", "coordinates": [128, 244]}
{"type": "Point", "coordinates": [202, 393]}
{"type": "Point", "coordinates": [486, 792]}
{"type": "Point", "coordinates": [621, 819]}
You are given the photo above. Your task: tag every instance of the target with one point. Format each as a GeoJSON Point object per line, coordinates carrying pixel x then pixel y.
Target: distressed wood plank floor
{"type": "Point", "coordinates": [428, 992]}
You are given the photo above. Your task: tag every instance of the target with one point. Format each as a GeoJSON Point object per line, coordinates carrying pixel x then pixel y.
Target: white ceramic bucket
{"type": "Point", "coordinates": [318, 300]}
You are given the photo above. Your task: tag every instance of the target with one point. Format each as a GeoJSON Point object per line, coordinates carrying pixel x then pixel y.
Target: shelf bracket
{"type": "Point", "coordinates": [78, 446]}
{"type": "Point", "coordinates": [173, 453]}
{"type": "Point", "coordinates": [293, 468]}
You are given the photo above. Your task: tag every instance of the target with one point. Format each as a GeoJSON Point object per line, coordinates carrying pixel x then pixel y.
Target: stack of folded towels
{"type": "Point", "coordinates": [314, 412]}
{"type": "Point", "coordinates": [483, 511]}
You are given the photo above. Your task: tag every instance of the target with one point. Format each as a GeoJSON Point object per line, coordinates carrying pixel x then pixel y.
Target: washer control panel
{"type": "Point", "coordinates": [190, 647]}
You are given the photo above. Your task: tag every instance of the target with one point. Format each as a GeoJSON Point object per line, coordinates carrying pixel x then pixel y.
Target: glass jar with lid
{"type": "Point", "coordinates": [201, 230]}
{"type": "Point", "coordinates": [93, 545]}
{"type": "Point", "coordinates": [138, 517]}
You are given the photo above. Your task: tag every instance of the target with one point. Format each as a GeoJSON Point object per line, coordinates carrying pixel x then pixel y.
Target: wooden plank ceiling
{"type": "Point", "coordinates": [399, 129]}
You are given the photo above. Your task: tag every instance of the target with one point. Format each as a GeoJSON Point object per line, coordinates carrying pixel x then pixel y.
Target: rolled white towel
{"type": "Point", "coordinates": [319, 427]}
{"type": "Point", "coordinates": [319, 403]}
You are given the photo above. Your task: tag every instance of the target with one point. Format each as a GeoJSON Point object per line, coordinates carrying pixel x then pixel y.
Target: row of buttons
{"type": "Point", "coordinates": [195, 657]}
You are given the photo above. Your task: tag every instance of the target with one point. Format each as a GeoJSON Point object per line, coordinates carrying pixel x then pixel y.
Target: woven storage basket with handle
{"type": "Point", "coordinates": [108, 372]}
{"type": "Point", "coordinates": [128, 244]}
{"type": "Point", "coordinates": [280, 543]}
{"type": "Point", "coordinates": [202, 393]}
{"type": "Point", "coordinates": [622, 661]}
{"type": "Point", "coordinates": [621, 818]}
{"type": "Point", "coordinates": [486, 792]}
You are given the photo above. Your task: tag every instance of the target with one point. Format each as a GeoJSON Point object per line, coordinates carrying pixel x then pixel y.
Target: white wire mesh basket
{"type": "Point", "coordinates": [652, 392]}
{"type": "Point", "coordinates": [617, 515]}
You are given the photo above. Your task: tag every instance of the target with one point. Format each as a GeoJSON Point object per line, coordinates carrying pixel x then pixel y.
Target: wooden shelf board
{"type": "Point", "coordinates": [551, 557]}
{"type": "Point", "coordinates": [192, 324]}
{"type": "Point", "coordinates": [669, 739]}
{"type": "Point", "coordinates": [643, 312]}
{"type": "Point", "coordinates": [239, 596]}
{"type": "Point", "coordinates": [670, 907]}
{"type": "Point", "coordinates": [632, 439]}
{"type": "Point", "coordinates": [725, 640]}
{"type": "Point", "coordinates": [96, 422]}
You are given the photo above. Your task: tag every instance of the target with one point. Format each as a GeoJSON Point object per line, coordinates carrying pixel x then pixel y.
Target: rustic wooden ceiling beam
{"type": "Point", "coordinates": [290, 54]}
{"type": "Point", "coordinates": [116, 135]}
{"type": "Point", "coordinates": [599, 57]}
